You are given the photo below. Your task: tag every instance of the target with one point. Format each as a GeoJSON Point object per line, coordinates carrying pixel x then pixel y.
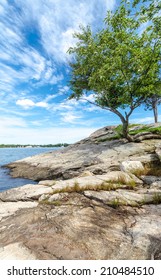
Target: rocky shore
{"type": "Point", "coordinates": [99, 198]}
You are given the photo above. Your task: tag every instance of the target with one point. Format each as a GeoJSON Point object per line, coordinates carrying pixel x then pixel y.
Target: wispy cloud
{"type": "Point", "coordinates": [57, 21]}
{"type": "Point", "coordinates": [12, 122]}
{"type": "Point", "coordinates": [28, 103]}
{"type": "Point", "coordinates": [35, 36]}
{"type": "Point", "coordinates": [54, 23]}
{"type": "Point", "coordinates": [70, 117]}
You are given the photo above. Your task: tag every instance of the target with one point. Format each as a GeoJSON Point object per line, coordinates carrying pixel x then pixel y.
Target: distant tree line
{"type": "Point", "coordinates": [33, 146]}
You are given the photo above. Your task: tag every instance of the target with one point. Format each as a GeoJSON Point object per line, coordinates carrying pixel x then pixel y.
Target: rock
{"type": "Point", "coordinates": [123, 197]}
{"type": "Point", "coordinates": [158, 151]}
{"type": "Point", "coordinates": [16, 251]}
{"type": "Point", "coordinates": [9, 208]}
{"type": "Point", "coordinates": [147, 159]}
{"type": "Point", "coordinates": [25, 193]}
{"type": "Point", "coordinates": [134, 167]}
{"type": "Point", "coordinates": [117, 179]}
{"type": "Point", "coordinates": [84, 229]}
{"type": "Point", "coordinates": [48, 183]}
{"type": "Point", "coordinates": [58, 196]}
{"type": "Point", "coordinates": [105, 131]}
{"type": "Point", "coordinates": [44, 197]}
{"type": "Point", "coordinates": [86, 173]}
{"type": "Point", "coordinates": [97, 212]}
{"type": "Point", "coordinates": [156, 185]}
{"type": "Point", "coordinates": [95, 154]}
{"type": "Point", "coordinates": [150, 179]}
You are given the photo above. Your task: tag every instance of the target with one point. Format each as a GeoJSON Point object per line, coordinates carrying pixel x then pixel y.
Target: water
{"type": "Point", "coordinates": [8, 155]}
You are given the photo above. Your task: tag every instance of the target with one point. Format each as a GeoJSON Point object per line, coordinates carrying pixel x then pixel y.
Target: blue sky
{"type": "Point", "coordinates": [34, 72]}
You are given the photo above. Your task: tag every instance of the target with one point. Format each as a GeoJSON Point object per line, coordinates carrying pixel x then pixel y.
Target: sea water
{"type": "Point", "coordinates": [8, 155]}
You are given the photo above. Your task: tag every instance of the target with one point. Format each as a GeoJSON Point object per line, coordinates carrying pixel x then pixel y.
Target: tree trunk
{"type": "Point", "coordinates": [155, 108]}
{"type": "Point", "coordinates": [125, 130]}
{"type": "Point", "coordinates": [155, 111]}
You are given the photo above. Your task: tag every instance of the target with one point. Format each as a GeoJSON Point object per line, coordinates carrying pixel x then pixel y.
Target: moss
{"type": "Point", "coordinates": [154, 130]}
{"type": "Point", "coordinates": [118, 130]}
{"type": "Point", "coordinates": [133, 132]}
{"type": "Point", "coordinates": [121, 180]}
{"type": "Point", "coordinates": [134, 125]}
{"type": "Point", "coordinates": [55, 203]}
{"type": "Point", "coordinates": [115, 203]}
{"type": "Point", "coordinates": [115, 137]}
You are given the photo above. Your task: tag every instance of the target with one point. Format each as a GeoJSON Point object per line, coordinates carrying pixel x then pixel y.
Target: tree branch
{"type": "Point", "coordinates": [115, 111]}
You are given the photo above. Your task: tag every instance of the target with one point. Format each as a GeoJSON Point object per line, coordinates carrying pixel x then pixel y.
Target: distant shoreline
{"type": "Point", "coordinates": [33, 146]}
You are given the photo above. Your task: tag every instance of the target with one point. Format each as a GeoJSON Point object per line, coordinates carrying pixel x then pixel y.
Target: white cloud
{"type": "Point", "coordinates": [54, 21]}
{"type": "Point", "coordinates": [69, 117]}
{"type": "Point", "coordinates": [57, 20]}
{"type": "Point", "coordinates": [27, 103]}
{"type": "Point", "coordinates": [41, 104]}
{"type": "Point", "coordinates": [27, 65]}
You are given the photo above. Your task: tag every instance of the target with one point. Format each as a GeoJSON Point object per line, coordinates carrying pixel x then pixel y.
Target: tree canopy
{"type": "Point", "coordinates": [120, 64]}
{"type": "Point", "coordinates": [150, 11]}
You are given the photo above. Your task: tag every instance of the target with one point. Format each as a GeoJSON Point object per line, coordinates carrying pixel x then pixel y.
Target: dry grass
{"type": "Point", "coordinates": [105, 186]}
{"type": "Point", "coordinates": [122, 180]}
{"type": "Point", "coordinates": [154, 171]}
{"type": "Point", "coordinates": [140, 172]}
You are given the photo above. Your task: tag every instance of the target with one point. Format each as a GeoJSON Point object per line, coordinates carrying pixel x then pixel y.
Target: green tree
{"type": "Point", "coordinates": [119, 64]}
{"type": "Point", "coordinates": [152, 103]}
{"type": "Point", "coordinates": [150, 11]}
{"type": "Point", "coordinates": [149, 8]}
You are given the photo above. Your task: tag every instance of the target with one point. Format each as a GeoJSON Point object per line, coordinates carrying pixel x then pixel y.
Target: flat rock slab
{"type": "Point", "coordinates": [93, 154]}
{"type": "Point", "coordinates": [82, 228]}
{"type": "Point", "coordinates": [97, 180]}
{"type": "Point", "coordinates": [124, 197]}
{"type": "Point", "coordinates": [9, 208]}
{"type": "Point", "coordinates": [25, 193]}
{"type": "Point", "coordinates": [16, 251]}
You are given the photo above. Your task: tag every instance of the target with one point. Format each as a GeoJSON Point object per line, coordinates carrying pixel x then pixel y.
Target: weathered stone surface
{"type": "Point", "coordinates": [147, 159]}
{"type": "Point", "coordinates": [10, 208]}
{"type": "Point", "coordinates": [150, 179]}
{"type": "Point", "coordinates": [95, 154]}
{"type": "Point", "coordinates": [156, 184]}
{"type": "Point", "coordinates": [48, 183]}
{"type": "Point", "coordinates": [113, 177]}
{"type": "Point", "coordinates": [16, 251]}
{"type": "Point", "coordinates": [132, 166]}
{"type": "Point", "coordinates": [25, 193]}
{"type": "Point", "coordinates": [123, 197]}
{"type": "Point", "coordinates": [110, 214]}
{"type": "Point", "coordinates": [158, 151]}
{"type": "Point", "coordinates": [86, 173]}
{"type": "Point", "coordinates": [58, 196]}
{"type": "Point", "coordinates": [82, 228]}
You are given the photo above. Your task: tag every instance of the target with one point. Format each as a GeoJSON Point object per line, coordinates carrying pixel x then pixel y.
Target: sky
{"type": "Point", "coordinates": [34, 72]}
